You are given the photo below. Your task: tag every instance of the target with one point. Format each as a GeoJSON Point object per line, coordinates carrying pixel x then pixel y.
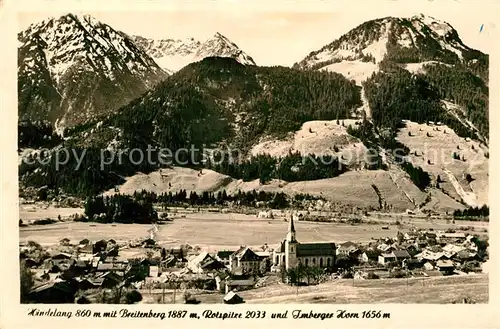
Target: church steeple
{"type": "Point", "coordinates": [291, 246]}
{"type": "Point", "coordinates": [291, 231]}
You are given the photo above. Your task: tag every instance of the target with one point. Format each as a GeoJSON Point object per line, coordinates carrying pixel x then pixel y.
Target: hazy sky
{"type": "Point", "coordinates": [281, 37]}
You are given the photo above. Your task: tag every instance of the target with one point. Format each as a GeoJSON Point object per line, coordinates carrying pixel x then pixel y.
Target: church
{"type": "Point", "coordinates": [291, 253]}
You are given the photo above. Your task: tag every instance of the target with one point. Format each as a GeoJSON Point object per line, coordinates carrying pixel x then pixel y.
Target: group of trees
{"type": "Point", "coordinates": [418, 176]}
{"type": "Point", "coordinates": [483, 211]}
{"type": "Point", "coordinates": [249, 198]}
{"type": "Point", "coordinates": [292, 167]}
{"type": "Point", "coordinates": [399, 95]}
{"type": "Point", "coordinates": [80, 175]}
{"type": "Point", "coordinates": [27, 281]}
{"type": "Point", "coordinates": [119, 209]}
{"type": "Point", "coordinates": [366, 132]}
{"type": "Point", "coordinates": [36, 134]}
{"type": "Point", "coordinates": [464, 88]}
{"type": "Point", "coordinates": [295, 276]}
{"type": "Point", "coordinates": [396, 94]}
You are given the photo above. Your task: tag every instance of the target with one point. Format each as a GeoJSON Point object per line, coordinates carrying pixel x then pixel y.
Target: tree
{"type": "Point", "coordinates": [133, 296]}
{"type": "Point", "coordinates": [64, 242]}
{"type": "Point", "coordinates": [283, 273]}
{"type": "Point", "coordinates": [265, 266]}
{"type": "Point", "coordinates": [400, 237]}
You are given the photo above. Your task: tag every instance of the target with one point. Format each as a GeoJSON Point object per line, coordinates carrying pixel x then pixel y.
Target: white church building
{"type": "Point", "coordinates": [292, 253]}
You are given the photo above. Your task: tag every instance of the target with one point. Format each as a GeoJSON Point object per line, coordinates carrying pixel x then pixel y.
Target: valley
{"type": "Point", "coordinates": [373, 149]}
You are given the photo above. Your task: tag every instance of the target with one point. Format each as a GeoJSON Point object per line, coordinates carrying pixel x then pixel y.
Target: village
{"type": "Point", "coordinates": [145, 271]}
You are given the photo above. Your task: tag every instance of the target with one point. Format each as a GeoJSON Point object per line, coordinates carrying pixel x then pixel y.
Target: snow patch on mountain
{"type": "Point", "coordinates": [441, 31]}
{"type": "Point", "coordinates": [353, 70]}
{"type": "Point", "coordinates": [441, 28]}
{"type": "Point", "coordinates": [73, 67]}
{"type": "Point", "coordinates": [418, 68]}
{"type": "Point", "coordinates": [469, 198]}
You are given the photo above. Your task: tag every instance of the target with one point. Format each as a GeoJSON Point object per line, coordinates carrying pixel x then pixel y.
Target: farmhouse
{"type": "Point", "coordinates": [347, 248]}
{"type": "Point", "coordinates": [246, 259]}
{"type": "Point", "coordinates": [223, 256]}
{"type": "Point", "coordinates": [204, 262]}
{"type": "Point", "coordinates": [370, 255]}
{"type": "Point", "coordinates": [239, 285]}
{"type": "Point", "coordinates": [445, 266]}
{"type": "Point", "coordinates": [292, 253]}
{"type": "Point", "coordinates": [386, 258]}
{"type": "Point", "coordinates": [401, 255]}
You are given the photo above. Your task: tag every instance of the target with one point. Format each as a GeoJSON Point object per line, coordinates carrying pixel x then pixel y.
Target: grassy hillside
{"type": "Point", "coordinates": [213, 102]}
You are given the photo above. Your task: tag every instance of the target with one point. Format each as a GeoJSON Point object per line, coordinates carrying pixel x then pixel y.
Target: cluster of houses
{"type": "Point", "coordinates": [425, 252]}
{"type": "Point", "coordinates": [66, 269]}
{"type": "Point", "coordinates": [61, 271]}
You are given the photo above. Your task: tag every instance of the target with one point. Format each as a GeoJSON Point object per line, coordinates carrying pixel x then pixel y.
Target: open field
{"type": "Point", "coordinates": [431, 290]}
{"type": "Point", "coordinates": [435, 290]}
{"type": "Point", "coordinates": [30, 212]}
{"type": "Point", "coordinates": [218, 231]}
{"type": "Point", "coordinates": [207, 231]}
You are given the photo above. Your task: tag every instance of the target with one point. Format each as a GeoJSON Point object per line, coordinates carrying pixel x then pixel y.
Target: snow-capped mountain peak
{"type": "Point", "coordinates": [174, 54]}
{"type": "Point", "coordinates": [375, 40]}
{"type": "Point", "coordinates": [68, 56]}
{"type": "Point", "coordinates": [441, 28]}
{"type": "Point", "coordinates": [73, 38]}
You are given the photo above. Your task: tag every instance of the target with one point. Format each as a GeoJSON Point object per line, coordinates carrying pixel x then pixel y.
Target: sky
{"type": "Point", "coordinates": [277, 35]}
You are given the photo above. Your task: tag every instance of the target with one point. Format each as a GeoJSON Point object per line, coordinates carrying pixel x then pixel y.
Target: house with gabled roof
{"type": "Point", "coordinates": [445, 266]}
{"type": "Point", "coordinates": [386, 258]}
{"type": "Point", "coordinates": [204, 262]}
{"type": "Point", "coordinates": [428, 255]}
{"type": "Point", "coordinates": [458, 237]}
{"type": "Point", "coordinates": [246, 260]}
{"type": "Point", "coordinates": [385, 248]}
{"type": "Point", "coordinates": [223, 256]}
{"type": "Point", "coordinates": [53, 292]}
{"type": "Point", "coordinates": [370, 255]}
{"type": "Point", "coordinates": [347, 248]}
{"type": "Point", "coordinates": [291, 253]}
{"type": "Point", "coordinates": [401, 255]}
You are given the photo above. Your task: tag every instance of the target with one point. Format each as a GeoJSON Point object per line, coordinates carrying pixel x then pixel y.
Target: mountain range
{"type": "Point", "coordinates": [74, 68]}
{"type": "Point", "coordinates": [174, 54]}
{"type": "Point", "coordinates": [390, 84]}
